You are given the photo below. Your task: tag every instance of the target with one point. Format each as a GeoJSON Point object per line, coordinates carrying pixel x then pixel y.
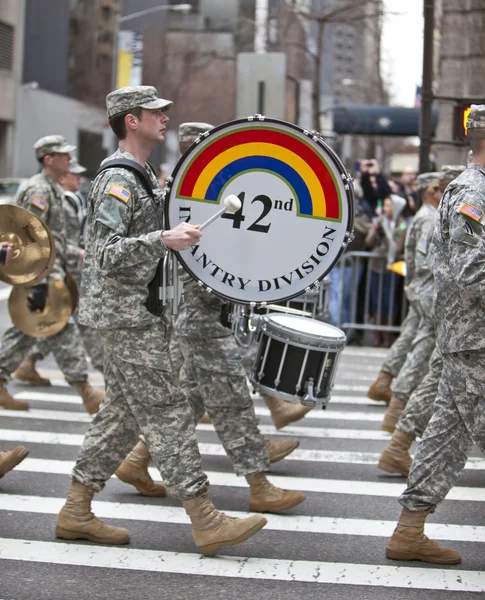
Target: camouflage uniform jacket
{"type": "Point", "coordinates": [419, 276]}
{"type": "Point", "coordinates": [123, 248]}
{"type": "Point", "coordinates": [45, 199]}
{"type": "Point", "coordinates": [459, 263]}
{"type": "Point", "coordinates": [73, 218]}
{"type": "Point", "coordinates": [200, 313]}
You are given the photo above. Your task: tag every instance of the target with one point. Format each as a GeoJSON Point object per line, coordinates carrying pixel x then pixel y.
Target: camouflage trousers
{"type": "Point", "coordinates": [458, 420]}
{"type": "Point", "coordinates": [66, 346]}
{"type": "Point", "coordinates": [91, 343]}
{"type": "Point", "coordinates": [419, 408]}
{"type": "Point", "coordinates": [213, 379]}
{"type": "Point", "coordinates": [141, 398]}
{"type": "Point", "coordinates": [416, 365]}
{"type": "Point", "coordinates": [396, 356]}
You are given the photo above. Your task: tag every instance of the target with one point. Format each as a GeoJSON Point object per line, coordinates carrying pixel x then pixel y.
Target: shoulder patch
{"type": "Point", "coordinates": [119, 192]}
{"type": "Point", "coordinates": [38, 202]}
{"type": "Point", "coordinates": [471, 211]}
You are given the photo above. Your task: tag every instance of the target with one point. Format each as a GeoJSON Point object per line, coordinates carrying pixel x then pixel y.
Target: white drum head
{"type": "Point", "coordinates": [307, 326]}
{"type": "Point", "coordinates": [296, 216]}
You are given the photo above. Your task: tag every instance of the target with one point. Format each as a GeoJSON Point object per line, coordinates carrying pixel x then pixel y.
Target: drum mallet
{"type": "Point", "coordinates": [231, 204]}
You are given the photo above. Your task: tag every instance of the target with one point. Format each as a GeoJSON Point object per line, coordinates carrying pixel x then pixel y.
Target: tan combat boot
{"type": "Point", "coordinates": [9, 460]}
{"type": "Point", "coordinates": [408, 542]}
{"type": "Point", "coordinates": [394, 411]}
{"type": "Point", "coordinates": [8, 402]}
{"type": "Point", "coordinates": [205, 419]}
{"type": "Point", "coordinates": [265, 497]}
{"type": "Point", "coordinates": [283, 413]}
{"type": "Point", "coordinates": [77, 522]}
{"type": "Point", "coordinates": [134, 471]}
{"type": "Point", "coordinates": [92, 398]}
{"type": "Point", "coordinates": [26, 372]}
{"type": "Point", "coordinates": [278, 450]}
{"type": "Point", "coordinates": [380, 389]}
{"type": "Point", "coordinates": [395, 457]}
{"type": "Point", "coordinates": [212, 529]}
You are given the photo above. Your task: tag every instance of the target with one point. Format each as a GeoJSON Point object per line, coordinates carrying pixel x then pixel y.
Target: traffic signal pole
{"type": "Point", "coordinates": [425, 120]}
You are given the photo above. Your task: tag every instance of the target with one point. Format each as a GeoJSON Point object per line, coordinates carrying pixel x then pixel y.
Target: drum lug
{"type": "Point", "coordinates": [309, 399]}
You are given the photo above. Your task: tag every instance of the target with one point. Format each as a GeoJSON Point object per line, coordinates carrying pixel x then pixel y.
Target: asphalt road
{"type": "Point", "coordinates": [331, 546]}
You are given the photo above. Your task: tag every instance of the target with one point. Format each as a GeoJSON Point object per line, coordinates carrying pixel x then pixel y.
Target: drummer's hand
{"type": "Point", "coordinates": [181, 237]}
{"type": "Point", "coordinates": [6, 252]}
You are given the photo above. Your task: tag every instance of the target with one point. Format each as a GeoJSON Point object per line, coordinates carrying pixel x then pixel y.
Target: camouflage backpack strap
{"type": "Point", "coordinates": [153, 302]}
{"type": "Point", "coordinates": [131, 165]}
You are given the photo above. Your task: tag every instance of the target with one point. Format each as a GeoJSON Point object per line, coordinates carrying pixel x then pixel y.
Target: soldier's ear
{"type": "Point", "coordinates": [131, 122]}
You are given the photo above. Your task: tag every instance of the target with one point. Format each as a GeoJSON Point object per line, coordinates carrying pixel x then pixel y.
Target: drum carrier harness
{"type": "Point", "coordinates": [154, 301]}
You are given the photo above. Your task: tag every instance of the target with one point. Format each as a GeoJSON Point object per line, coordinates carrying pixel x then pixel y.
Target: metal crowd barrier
{"type": "Point", "coordinates": [366, 302]}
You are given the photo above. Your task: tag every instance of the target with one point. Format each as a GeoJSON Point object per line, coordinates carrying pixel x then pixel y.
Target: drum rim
{"type": "Point", "coordinates": [267, 391]}
{"type": "Point", "coordinates": [274, 325]}
{"type": "Point", "coordinates": [332, 155]}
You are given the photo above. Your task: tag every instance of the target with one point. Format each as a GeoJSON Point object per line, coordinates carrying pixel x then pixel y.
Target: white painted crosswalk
{"type": "Point", "coordinates": [340, 508]}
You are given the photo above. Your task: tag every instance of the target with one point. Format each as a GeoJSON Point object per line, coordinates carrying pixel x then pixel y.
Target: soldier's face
{"type": "Point", "coordinates": [59, 163]}
{"type": "Point", "coordinates": [152, 125]}
{"type": "Point", "coordinates": [71, 182]}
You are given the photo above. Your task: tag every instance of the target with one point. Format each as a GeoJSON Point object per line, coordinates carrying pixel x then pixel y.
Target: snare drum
{"type": "Point", "coordinates": [297, 358]}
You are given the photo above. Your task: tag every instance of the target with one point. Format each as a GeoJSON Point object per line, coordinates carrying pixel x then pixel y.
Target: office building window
{"type": "Point", "coordinates": [6, 46]}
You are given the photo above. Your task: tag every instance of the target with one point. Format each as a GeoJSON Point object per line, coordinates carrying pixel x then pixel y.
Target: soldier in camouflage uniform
{"type": "Point", "coordinates": [395, 458]}
{"type": "Point", "coordinates": [126, 242]}
{"type": "Point", "coordinates": [75, 214]}
{"type": "Point", "coordinates": [213, 378]}
{"type": "Point", "coordinates": [44, 197]}
{"type": "Point", "coordinates": [419, 291]}
{"type": "Point", "coordinates": [380, 389]}
{"type": "Point", "coordinates": [459, 411]}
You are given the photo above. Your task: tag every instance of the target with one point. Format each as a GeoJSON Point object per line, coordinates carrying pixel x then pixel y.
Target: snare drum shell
{"type": "Point", "coordinates": [287, 358]}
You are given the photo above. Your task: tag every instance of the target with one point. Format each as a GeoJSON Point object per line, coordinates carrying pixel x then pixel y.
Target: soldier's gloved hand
{"type": "Point", "coordinates": [38, 297]}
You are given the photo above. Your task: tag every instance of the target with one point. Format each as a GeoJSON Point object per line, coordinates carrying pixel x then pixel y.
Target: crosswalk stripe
{"type": "Point", "coordinates": [324, 456]}
{"type": "Point", "coordinates": [306, 484]}
{"type": "Point", "coordinates": [328, 415]}
{"type": "Point", "coordinates": [339, 387]}
{"type": "Point", "coordinates": [290, 523]}
{"type": "Point", "coordinates": [293, 430]}
{"type": "Point", "coordinates": [269, 569]}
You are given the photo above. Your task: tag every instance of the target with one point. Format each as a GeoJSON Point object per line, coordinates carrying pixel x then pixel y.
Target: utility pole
{"type": "Point", "coordinates": [426, 119]}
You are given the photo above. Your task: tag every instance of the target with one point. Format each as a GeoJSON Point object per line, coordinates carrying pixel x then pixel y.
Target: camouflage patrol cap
{"type": "Point", "coordinates": [450, 172]}
{"type": "Point", "coordinates": [138, 96]}
{"type": "Point", "coordinates": [52, 144]}
{"type": "Point", "coordinates": [424, 180]}
{"type": "Point", "coordinates": [476, 117]}
{"type": "Point", "coordinates": [75, 167]}
{"type": "Point", "coordinates": [189, 131]}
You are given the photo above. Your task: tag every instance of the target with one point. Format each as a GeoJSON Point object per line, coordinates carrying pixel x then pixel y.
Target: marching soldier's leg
{"type": "Point", "coordinates": [221, 381]}
{"type": "Point", "coordinates": [68, 350]}
{"type": "Point", "coordinates": [15, 345]}
{"type": "Point", "coordinates": [414, 370]}
{"type": "Point", "coordinates": [441, 456]}
{"type": "Point", "coordinates": [26, 371]}
{"type": "Point", "coordinates": [395, 458]}
{"type": "Point", "coordinates": [380, 389]}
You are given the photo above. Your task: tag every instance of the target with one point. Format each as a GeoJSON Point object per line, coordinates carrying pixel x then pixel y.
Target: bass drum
{"type": "Point", "coordinates": [296, 215]}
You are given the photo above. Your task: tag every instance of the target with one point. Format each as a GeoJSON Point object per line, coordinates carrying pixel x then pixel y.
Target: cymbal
{"type": "Point", "coordinates": [33, 246]}
{"type": "Point", "coordinates": [51, 320]}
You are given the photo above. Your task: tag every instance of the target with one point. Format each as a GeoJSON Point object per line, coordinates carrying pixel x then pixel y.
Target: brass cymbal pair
{"type": "Point", "coordinates": [33, 258]}
{"type": "Point", "coordinates": [34, 251]}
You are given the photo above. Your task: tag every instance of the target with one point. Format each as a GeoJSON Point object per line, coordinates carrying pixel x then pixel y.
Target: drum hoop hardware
{"type": "Point", "coordinates": [302, 370]}
{"type": "Point", "coordinates": [309, 399]}
{"type": "Point", "coordinates": [277, 381]}
{"type": "Point", "coordinates": [300, 344]}
{"type": "Point", "coordinates": [265, 357]}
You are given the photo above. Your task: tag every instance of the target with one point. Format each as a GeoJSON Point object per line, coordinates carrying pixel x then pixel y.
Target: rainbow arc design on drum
{"type": "Point", "coordinates": [265, 149]}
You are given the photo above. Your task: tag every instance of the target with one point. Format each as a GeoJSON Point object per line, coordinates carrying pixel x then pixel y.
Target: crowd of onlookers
{"type": "Point", "coordinates": [384, 209]}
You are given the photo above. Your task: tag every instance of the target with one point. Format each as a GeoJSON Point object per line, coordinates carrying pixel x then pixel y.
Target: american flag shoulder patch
{"type": "Point", "coordinates": [471, 211]}
{"type": "Point", "coordinates": [38, 202]}
{"type": "Point", "coordinates": [119, 192]}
